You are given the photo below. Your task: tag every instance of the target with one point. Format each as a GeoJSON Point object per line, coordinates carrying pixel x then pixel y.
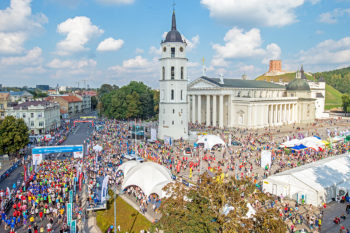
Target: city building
{"type": "Point", "coordinates": [86, 101]}
{"type": "Point", "coordinates": [20, 96]}
{"type": "Point", "coordinates": [40, 116]}
{"type": "Point", "coordinates": [69, 105]}
{"type": "Point", "coordinates": [317, 88]}
{"type": "Point", "coordinates": [43, 87]}
{"type": "Point", "coordinates": [4, 98]}
{"type": "Point", "coordinates": [173, 119]}
{"type": "Point", "coordinates": [225, 103]}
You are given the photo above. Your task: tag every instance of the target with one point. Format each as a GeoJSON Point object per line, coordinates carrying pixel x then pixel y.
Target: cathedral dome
{"type": "Point", "coordinates": [298, 85]}
{"type": "Point", "coordinates": [173, 35]}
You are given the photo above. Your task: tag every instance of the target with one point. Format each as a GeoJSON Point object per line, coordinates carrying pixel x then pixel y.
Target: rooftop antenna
{"type": "Point", "coordinates": [204, 69]}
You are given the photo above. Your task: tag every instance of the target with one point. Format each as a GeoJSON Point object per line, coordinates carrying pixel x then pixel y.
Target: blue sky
{"type": "Point", "coordinates": [115, 41]}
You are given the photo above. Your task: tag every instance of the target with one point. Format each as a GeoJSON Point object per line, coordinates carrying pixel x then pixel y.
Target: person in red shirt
{"type": "Point", "coordinates": [41, 214]}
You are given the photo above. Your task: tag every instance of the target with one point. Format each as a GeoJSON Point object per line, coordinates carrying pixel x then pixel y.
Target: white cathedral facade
{"type": "Point", "coordinates": [223, 103]}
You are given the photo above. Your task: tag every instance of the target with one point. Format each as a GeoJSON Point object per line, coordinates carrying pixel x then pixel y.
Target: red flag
{"type": "Point", "coordinates": [80, 180]}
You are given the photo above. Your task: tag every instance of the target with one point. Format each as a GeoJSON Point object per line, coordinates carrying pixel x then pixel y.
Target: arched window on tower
{"type": "Point", "coordinates": [172, 52]}
{"type": "Point", "coordinates": [163, 73]}
{"type": "Point", "coordinates": [181, 95]}
{"type": "Point", "coordinates": [172, 95]}
{"type": "Point", "coordinates": [172, 73]}
{"type": "Point", "coordinates": [182, 73]}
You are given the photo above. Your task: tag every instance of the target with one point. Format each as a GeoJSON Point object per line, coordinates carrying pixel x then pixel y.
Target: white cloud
{"type": "Point", "coordinates": [191, 44]}
{"type": "Point", "coordinates": [139, 51]}
{"type": "Point", "coordinates": [327, 52]}
{"type": "Point", "coordinates": [110, 44]}
{"type": "Point", "coordinates": [11, 42]}
{"type": "Point", "coordinates": [332, 16]}
{"type": "Point", "coordinates": [71, 64]}
{"type": "Point", "coordinates": [319, 32]}
{"type": "Point", "coordinates": [240, 44]}
{"type": "Point", "coordinates": [16, 23]}
{"type": "Point", "coordinates": [155, 51]}
{"type": "Point", "coordinates": [78, 30]}
{"type": "Point", "coordinates": [254, 12]}
{"type": "Point", "coordinates": [32, 57]}
{"type": "Point", "coordinates": [116, 2]}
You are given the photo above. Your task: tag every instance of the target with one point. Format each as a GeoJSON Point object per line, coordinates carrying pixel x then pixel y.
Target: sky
{"type": "Point", "coordinates": [91, 42]}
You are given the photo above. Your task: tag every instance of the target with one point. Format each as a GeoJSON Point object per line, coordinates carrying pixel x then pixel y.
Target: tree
{"type": "Point", "coordinates": [217, 204]}
{"type": "Point", "coordinates": [94, 102]}
{"type": "Point", "coordinates": [13, 135]}
{"type": "Point", "coordinates": [345, 102]}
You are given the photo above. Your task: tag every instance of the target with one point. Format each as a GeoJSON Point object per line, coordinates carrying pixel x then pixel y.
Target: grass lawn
{"type": "Point", "coordinates": [129, 219]}
{"type": "Point", "coordinates": [333, 98]}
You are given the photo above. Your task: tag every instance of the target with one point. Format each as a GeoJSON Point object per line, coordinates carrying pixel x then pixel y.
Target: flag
{"type": "Point", "coordinates": [25, 173]}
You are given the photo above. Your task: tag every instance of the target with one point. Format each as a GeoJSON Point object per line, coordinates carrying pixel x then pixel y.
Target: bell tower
{"type": "Point", "coordinates": [173, 106]}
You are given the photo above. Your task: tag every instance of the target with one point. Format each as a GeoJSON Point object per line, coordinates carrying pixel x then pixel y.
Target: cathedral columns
{"type": "Point", "coordinates": [208, 111]}
{"type": "Point", "coordinates": [221, 111]}
{"type": "Point", "coordinates": [214, 110]}
{"type": "Point", "coordinates": [193, 109]}
{"type": "Point", "coordinates": [199, 114]}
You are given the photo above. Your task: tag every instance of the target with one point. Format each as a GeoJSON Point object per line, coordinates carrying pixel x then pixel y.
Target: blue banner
{"type": "Point", "coordinates": [73, 226]}
{"type": "Point", "coordinates": [71, 196]}
{"type": "Point", "coordinates": [57, 149]}
{"type": "Point", "coordinates": [69, 213]}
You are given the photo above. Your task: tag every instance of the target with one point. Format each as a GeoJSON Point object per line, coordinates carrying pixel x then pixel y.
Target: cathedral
{"type": "Point", "coordinates": [222, 102]}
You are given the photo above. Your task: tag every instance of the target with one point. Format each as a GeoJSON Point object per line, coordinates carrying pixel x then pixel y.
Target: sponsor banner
{"type": "Point", "coordinates": [69, 213]}
{"type": "Point", "coordinates": [57, 149]}
{"type": "Point", "coordinates": [37, 159]}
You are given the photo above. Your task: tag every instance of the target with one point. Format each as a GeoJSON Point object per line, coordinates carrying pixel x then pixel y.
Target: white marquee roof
{"type": "Point", "coordinates": [150, 177]}
{"type": "Point", "coordinates": [321, 174]}
{"type": "Point", "coordinates": [210, 140]}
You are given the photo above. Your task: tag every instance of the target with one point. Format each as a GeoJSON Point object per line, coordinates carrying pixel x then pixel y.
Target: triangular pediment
{"type": "Point", "coordinates": [201, 83]}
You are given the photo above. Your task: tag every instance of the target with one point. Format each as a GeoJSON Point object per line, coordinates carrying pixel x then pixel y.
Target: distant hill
{"type": "Point", "coordinates": [339, 79]}
{"type": "Point", "coordinates": [333, 96]}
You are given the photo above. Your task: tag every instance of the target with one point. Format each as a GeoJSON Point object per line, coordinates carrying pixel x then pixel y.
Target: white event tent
{"type": "Point", "coordinates": [210, 141]}
{"type": "Point", "coordinates": [316, 183]}
{"type": "Point", "coordinates": [150, 177]}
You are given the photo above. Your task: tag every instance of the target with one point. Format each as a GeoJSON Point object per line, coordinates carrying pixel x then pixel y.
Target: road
{"type": "Point", "coordinates": [77, 137]}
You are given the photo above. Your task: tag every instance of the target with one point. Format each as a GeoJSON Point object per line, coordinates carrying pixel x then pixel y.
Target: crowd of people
{"type": "Point", "coordinates": [44, 198]}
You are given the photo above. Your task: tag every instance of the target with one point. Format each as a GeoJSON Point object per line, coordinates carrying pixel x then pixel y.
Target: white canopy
{"type": "Point", "coordinates": [150, 177]}
{"type": "Point", "coordinates": [97, 148]}
{"type": "Point", "coordinates": [210, 141]}
{"type": "Point", "coordinates": [317, 182]}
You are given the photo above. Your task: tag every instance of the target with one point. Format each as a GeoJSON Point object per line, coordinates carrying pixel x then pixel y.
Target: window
{"type": "Point", "coordinates": [164, 110]}
{"type": "Point", "coordinates": [163, 122]}
{"type": "Point", "coordinates": [164, 49]}
{"type": "Point", "coordinates": [181, 110]}
{"type": "Point", "coordinates": [173, 111]}
{"type": "Point", "coordinates": [163, 73]}
{"type": "Point", "coordinates": [173, 122]}
{"type": "Point", "coordinates": [1, 106]}
{"type": "Point", "coordinates": [24, 115]}
{"type": "Point", "coordinates": [32, 115]}
{"type": "Point", "coordinates": [173, 52]}
{"type": "Point", "coordinates": [182, 122]}
{"type": "Point", "coordinates": [181, 95]}
{"type": "Point", "coordinates": [32, 123]}
{"type": "Point", "coordinates": [172, 94]}
{"type": "Point", "coordinates": [2, 114]}
{"type": "Point", "coordinates": [182, 73]}
{"type": "Point", "coordinates": [181, 49]}
{"type": "Point", "coordinates": [39, 115]}
{"type": "Point", "coordinates": [41, 123]}
{"type": "Point", "coordinates": [172, 72]}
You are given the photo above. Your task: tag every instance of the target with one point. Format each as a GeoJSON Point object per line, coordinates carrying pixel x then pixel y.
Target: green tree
{"type": "Point", "coordinates": [345, 102]}
{"type": "Point", "coordinates": [94, 102]}
{"type": "Point", "coordinates": [13, 135]}
{"type": "Point", "coordinates": [202, 208]}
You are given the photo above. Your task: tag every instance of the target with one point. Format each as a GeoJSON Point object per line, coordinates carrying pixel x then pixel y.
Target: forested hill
{"type": "Point", "coordinates": [339, 79]}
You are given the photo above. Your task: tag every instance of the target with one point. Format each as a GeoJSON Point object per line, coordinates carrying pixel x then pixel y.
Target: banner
{"type": "Point", "coordinates": [71, 196]}
{"type": "Point", "coordinates": [265, 158]}
{"type": "Point", "coordinates": [78, 155]}
{"type": "Point", "coordinates": [37, 159]}
{"type": "Point", "coordinates": [104, 189]}
{"type": "Point", "coordinates": [153, 134]}
{"type": "Point", "coordinates": [80, 181]}
{"type": "Point", "coordinates": [57, 149]}
{"type": "Point", "coordinates": [69, 213]}
{"type": "Point", "coordinates": [73, 226]}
